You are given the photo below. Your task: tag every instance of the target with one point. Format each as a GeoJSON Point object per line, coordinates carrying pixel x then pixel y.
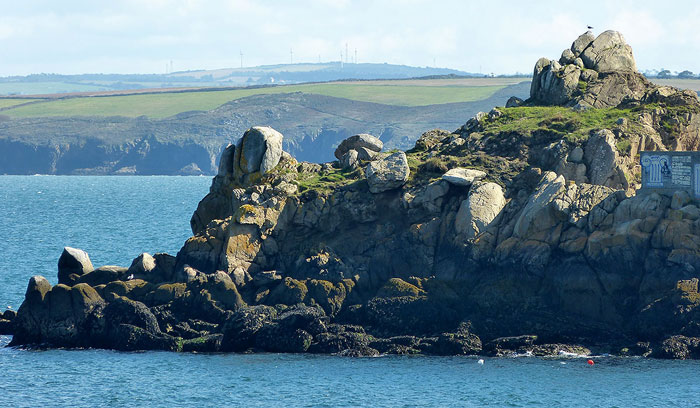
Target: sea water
{"type": "Point", "coordinates": [116, 218]}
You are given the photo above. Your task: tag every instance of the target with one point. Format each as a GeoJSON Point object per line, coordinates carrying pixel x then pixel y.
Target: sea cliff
{"type": "Point", "coordinates": [522, 232]}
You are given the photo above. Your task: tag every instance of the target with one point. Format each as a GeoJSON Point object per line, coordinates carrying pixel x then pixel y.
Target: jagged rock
{"type": "Point", "coordinates": [680, 199]}
{"type": "Point", "coordinates": [495, 113]}
{"type": "Point", "coordinates": [554, 85]}
{"type": "Point", "coordinates": [224, 292]}
{"type": "Point", "coordinates": [513, 102]}
{"type": "Point", "coordinates": [104, 275]}
{"type": "Point", "coordinates": [538, 215]}
{"type": "Point", "coordinates": [481, 208]}
{"type": "Point", "coordinates": [431, 139]}
{"type": "Point", "coordinates": [461, 342]}
{"type": "Point", "coordinates": [430, 197]}
{"type": "Point", "coordinates": [168, 292]}
{"type": "Point", "coordinates": [582, 42]}
{"type": "Point", "coordinates": [680, 347]}
{"type": "Point", "coordinates": [558, 350]}
{"type": "Point", "coordinates": [73, 261]}
{"type": "Point", "coordinates": [226, 161]}
{"type": "Point", "coordinates": [602, 161]}
{"type": "Point", "coordinates": [365, 154]}
{"type": "Point", "coordinates": [344, 339]}
{"type": "Point", "coordinates": [191, 169]}
{"type": "Point", "coordinates": [463, 177]}
{"type": "Point", "coordinates": [503, 346]}
{"type": "Point", "coordinates": [355, 142]}
{"type": "Point", "coordinates": [59, 315]}
{"type": "Point", "coordinates": [609, 52]}
{"type": "Point", "coordinates": [349, 159]}
{"type": "Point", "coordinates": [142, 264]}
{"type": "Point", "coordinates": [241, 328]}
{"type": "Point", "coordinates": [288, 292]}
{"type": "Point", "coordinates": [567, 57]}
{"type": "Point", "coordinates": [387, 173]}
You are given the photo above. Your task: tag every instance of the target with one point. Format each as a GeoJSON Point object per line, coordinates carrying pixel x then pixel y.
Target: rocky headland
{"type": "Point", "coordinates": [522, 232]}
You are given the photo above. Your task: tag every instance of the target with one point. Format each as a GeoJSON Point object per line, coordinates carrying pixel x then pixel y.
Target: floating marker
{"type": "Point", "coordinates": [590, 362]}
{"type": "Point", "coordinates": [481, 361]}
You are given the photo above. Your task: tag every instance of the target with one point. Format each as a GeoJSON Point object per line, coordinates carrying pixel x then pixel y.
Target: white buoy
{"type": "Point", "coordinates": [481, 361]}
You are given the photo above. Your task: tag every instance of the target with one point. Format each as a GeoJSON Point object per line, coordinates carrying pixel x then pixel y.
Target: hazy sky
{"type": "Point", "coordinates": [141, 36]}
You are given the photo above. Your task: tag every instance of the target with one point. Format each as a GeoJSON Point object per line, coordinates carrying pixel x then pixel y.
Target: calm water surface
{"type": "Point", "coordinates": [116, 218]}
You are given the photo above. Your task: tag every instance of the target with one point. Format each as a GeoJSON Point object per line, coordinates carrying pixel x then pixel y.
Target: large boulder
{"type": "Point", "coordinates": [73, 261]}
{"type": "Point", "coordinates": [142, 265]}
{"type": "Point", "coordinates": [349, 159]}
{"type": "Point", "coordinates": [463, 177]}
{"type": "Point", "coordinates": [481, 208]}
{"type": "Point", "coordinates": [362, 140]}
{"type": "Point", "coordinates": [387, 173]}
{"type": "Point", "coordinates": [554, 84]}
{"type": "Point", "coordinates": [538, 215]}
{"type": "Point", "coordinates": [609, 52]}
{"type": "Point", "coordinates": [260, 150]}
{"type": "Point", "coordinates": [581, 43]}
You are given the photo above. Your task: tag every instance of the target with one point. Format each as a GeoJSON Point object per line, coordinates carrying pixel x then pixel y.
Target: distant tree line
{"type": "Point", "coordinates": [666, 74]}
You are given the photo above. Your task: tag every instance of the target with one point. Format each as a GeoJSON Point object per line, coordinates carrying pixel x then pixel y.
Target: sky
{"type": "Point", "coordinates": [493, 36]}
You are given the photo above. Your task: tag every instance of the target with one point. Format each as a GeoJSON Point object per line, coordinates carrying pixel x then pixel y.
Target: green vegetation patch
{"type": "Point", "coordinates": [571, 125]}
{"type": "Point", "coordinates": [325, 182]}
{"type": "Point", "coordinates": [9, 102]}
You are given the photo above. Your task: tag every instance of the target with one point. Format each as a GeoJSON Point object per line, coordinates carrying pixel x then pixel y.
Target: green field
{"type": "Point", "coordinates": [8, 102]}
{"type": "Point", "coordinates": [160, 105]}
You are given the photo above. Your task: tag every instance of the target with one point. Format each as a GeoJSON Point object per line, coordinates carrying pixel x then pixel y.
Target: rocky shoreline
{"type": "Point", "coordinates": [521, 233]}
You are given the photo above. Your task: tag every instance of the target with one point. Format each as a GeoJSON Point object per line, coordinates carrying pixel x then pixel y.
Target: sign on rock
{"type": "Point", "coordinates": [671, 171]}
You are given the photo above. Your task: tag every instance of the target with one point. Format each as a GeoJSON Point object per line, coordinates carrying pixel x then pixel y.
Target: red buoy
{"type": "Point", "coordinates": [590, 362]}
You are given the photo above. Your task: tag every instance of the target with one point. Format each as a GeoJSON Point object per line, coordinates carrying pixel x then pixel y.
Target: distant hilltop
{"type": "Point", "coordinates": [246, 76]}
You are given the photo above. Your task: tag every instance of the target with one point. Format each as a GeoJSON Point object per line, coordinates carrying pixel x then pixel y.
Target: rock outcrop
{"type": "Point", "coordinates": [362, 141]}
{"type": "Point", "coordinates": [387, 173]}
{"type": "Point", "coordinates": [512, 235]}
{"type": "Point", "coordinates": [596, 72]}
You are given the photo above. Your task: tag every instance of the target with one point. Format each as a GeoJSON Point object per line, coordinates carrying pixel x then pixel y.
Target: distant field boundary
{"type": "Point", "coordinates": [166, 102]}
{"type": "Point", "coordinates": [148, 91]}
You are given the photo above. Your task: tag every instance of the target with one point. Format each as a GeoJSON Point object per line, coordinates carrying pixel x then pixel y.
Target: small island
{"type": "Point", "coordinates": [524, 232]}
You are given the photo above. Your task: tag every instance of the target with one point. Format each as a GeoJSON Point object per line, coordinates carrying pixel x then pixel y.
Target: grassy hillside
{"type": "Point", "coordinates": [7, 103]}
{"type": "Point", "coordinates": [165, 104]}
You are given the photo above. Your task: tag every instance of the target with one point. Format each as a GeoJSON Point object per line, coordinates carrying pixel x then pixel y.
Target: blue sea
{"type": "Point", "coordinates": [116, 218]}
